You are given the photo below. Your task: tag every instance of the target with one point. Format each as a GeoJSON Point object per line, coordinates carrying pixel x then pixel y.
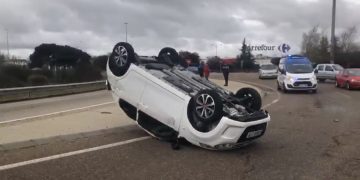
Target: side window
{"type": "Point", "coordinates": [320, 67]}
{"type": "Point", "coordinates": [328, 68]}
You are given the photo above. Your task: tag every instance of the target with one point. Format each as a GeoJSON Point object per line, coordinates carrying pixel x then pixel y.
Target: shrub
{"type": "Point", "coordinates": [38, 80]}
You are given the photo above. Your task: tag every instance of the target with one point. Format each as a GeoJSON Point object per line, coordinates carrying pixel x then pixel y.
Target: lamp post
{"type": "Point", "coordinates": [126, 31]}
{"type": "Point", "coordinates": [332, 53]}
{"type": "Point", "coordinates": [7, 43]}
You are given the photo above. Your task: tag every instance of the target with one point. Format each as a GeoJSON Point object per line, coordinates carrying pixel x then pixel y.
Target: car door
{"type": "Point", "coordinates": [162, 104]}
{"type": "Point", "coordinates": [342, 78]}
{"type": "Point", "coordinates": [329, 72]}
{"type": "Point", "coordinates": [321, 71]}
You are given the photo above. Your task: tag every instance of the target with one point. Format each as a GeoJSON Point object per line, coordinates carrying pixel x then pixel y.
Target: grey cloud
{"type": "Point", "coordinates": [96, 26]}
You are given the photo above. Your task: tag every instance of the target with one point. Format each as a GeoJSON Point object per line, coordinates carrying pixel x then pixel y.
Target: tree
{"type": "Point", "coordinates": [214, 63]}
{"type": "Point", "coordinates": [311, 44]}
{"type": "Point", "coordinates": [192, 56]}
{"type": "Point", "coordinates": [55, 55]}
{"type": "Point", "coordinates": [324, 54]}
{"type": "Point", "coordinates": [346, 41]}
{"type": "Point", "coordinates": [245, 60]}
{"type": "Point", "coordinates": [99, 62]}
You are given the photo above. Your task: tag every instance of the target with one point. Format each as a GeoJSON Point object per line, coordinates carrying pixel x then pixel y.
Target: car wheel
{"type": "Point", "coordinates": [347, 86]}
{"type": "Point", "coordinates": [121, 57]}
{"type": "Point", "coordinates": [278, 85]}
{"type": "Point", "coordinates": [251, 98]}
{"type": "Point", "coordinates": [322, 80]}
{"type": "Point", "coordinates": [170, 57]}
{"type": "Point", "coordinates": [284, 88]}
{"type": "Point", "coordinates": [205, 109]}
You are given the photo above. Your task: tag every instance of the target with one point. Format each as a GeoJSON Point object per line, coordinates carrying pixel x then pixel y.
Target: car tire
{"type": "Point", "coordinates": [347, 86]}
{"type": "Point", "coordinates": [253, 102]}
{"type": "Point", "coordinates": [284, 88]}
{"type": "Point", "coordinates": [322, 80]}
{"type": "Point", "coordinates": [278, 85]}
{"type": "Point", "coordinates": [170, 57]}
{"type": "Point", "coordinates": [121, 57]}
{"type": "Point", "coordinates": [205, 109]}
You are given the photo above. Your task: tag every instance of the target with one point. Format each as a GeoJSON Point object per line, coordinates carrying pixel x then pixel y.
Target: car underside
{"type": "Point", "coordinates": [206, 104]}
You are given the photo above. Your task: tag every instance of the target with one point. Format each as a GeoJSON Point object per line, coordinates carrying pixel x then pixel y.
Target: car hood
{"type": "Point", "coordinates": [357, 78]}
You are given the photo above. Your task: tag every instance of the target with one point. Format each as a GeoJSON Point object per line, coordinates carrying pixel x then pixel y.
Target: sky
{"type": "Point", "coordinates": [194, 25]}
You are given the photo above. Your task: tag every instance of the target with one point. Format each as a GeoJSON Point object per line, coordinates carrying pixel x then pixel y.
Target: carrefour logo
{"type": "Point", "coordinates": [284, 48]}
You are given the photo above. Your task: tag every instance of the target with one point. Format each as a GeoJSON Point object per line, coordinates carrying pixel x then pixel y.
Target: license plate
{"type": "Point", "coordinates": [303, 85]}
{"type": "Point", "coordinates": [254, 133]}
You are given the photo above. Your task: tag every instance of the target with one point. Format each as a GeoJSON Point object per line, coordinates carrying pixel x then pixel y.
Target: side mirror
{"type": "Point", "coordinates": [316, 71]}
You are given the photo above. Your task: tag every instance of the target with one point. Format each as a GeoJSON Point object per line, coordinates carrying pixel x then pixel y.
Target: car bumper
{"type": "Point", "coordinates": [268, 75]}
{"type": "Point", "coordinates": [230, 134]}
{"type": "Point", "coordinates": [355, 84]}
{"type": "Point", "coordinates": [301, 85]}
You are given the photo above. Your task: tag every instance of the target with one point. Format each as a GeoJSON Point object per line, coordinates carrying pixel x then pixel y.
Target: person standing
{"type": "Point", "coordinates": [206, 71]}
{"type": "Point", "coordinates": [201, 69]}
{"type": "Point", "coordinates": [225, 68]}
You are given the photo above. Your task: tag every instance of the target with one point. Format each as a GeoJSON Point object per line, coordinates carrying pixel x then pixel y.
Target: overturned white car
{"type": "Point", "coordinates": [170, 102]}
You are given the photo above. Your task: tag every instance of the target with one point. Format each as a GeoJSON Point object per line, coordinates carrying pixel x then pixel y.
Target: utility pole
{"type": "Point", "coordinates": [126, 31]}
{"type": "Point", "coordinates": [7, 43]}
{"type": "Point", "coordinates": [333, 41]}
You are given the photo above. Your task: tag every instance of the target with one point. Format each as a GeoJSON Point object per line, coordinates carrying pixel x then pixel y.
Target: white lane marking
{"type": "Point", "coordinates": [73, 153]}
{"type": "Point", "coordinates": [344, 95]}
{"type": "Point", "coordinates": [52, 114]}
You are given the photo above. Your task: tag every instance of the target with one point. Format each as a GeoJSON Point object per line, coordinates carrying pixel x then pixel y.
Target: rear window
{"type": "Point", "coordinates": [268, 67]}
{"type": "Point", "coordinates": [337, 67]}
{"type": "Point", "coordinates": [354, 72]}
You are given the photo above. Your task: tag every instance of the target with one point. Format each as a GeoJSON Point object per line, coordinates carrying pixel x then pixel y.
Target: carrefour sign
{"type": "Point", "coordinates": [283, 48]}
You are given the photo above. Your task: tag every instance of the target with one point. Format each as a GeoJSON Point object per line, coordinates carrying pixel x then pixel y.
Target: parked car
{"type": "Point", "coordinates": [268, 71]}
{"type": "Point", "coordinates": [296, 73]}
{"type": "Point", "coordinates": [193, 69]}
{"type": "Point", "coordinates": [327, 71]}
{"type": "Point", "coordinates": [170, 102]}
{"type": "Point", "coordinates": [348, 78]}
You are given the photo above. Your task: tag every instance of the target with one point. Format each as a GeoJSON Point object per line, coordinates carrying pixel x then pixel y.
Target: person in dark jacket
{"type": "Point", "coordinates": [201, 69]}
{"type": "Point", "coordinates": [225, 68]}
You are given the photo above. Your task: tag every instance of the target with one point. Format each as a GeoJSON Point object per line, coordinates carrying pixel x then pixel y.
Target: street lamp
{"type": "Point", "coordinates": [7, 43]}
{"type": "Point", "coordinates": [126, 31]}
{"type": "Point", "coordinates": [216, 48]}
{"type": "Point", "coordinates": [332, 54]}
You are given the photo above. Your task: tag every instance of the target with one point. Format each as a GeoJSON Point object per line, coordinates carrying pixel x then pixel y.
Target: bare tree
{"type": "Point", "coordinates": [346, 41]}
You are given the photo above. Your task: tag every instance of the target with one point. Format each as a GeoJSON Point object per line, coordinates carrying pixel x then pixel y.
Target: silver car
{"type": "Point", "coordinates": [268, 71]}
{"type": "Point", "coordinates": [327, 71]}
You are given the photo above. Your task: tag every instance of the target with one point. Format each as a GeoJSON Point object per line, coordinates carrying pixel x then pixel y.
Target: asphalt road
{"type": "Point", "coordinates": [23, 109]}
{"type": "Point", "coordinates": [311, 136]}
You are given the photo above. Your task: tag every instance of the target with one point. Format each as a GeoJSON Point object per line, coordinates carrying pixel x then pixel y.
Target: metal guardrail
{"type": "Point", "coordinates": [34, 92]}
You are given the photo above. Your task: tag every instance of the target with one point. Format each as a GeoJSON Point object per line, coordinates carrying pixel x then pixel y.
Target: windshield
{"type": "Point", "coordinates": [337, 67]}
{"type": "Point", "coordinates": [299, 68]}
{"type": "Point", "coordinates": [268, 67]}
{"type": "Point", "coordinates": [354, 72]}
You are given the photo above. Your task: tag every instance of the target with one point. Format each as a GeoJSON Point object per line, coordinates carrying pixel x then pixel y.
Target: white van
{"type": "Point", "coordinates": [296, 73]}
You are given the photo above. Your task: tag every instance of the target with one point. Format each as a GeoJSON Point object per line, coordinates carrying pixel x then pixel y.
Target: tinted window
{"type": "Point", "coordinates": [268, 67]}
{"type": "Point", "coordinates": [299, 68]}
{"type": "Point", "coordinates": [354, 72]}
{"type": "Point", "coordinates": [329, 68]}
{"type": "Point", "coordinates": [337, 67]}
{"type": "Point", "coordinates": [321, 67]}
